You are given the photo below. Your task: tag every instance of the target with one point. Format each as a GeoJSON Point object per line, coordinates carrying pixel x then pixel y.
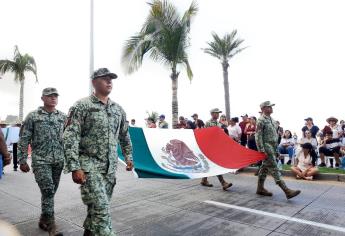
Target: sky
{"type": "Point", "coordinates": [294, 58]}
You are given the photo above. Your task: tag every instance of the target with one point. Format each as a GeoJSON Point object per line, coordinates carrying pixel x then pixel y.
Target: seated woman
{"type": "Point", "coordinates": [287, 145]}
{"type": "Point", "coordinates": [304, 168]}
{"type": "Point", "coordinates": [309, 139]}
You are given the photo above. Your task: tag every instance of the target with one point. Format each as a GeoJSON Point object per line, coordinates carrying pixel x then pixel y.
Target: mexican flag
{"type": "Point", "coordinates": [187, 153]}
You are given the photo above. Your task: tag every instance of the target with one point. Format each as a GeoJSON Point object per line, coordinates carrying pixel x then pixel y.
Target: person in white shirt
{"type": "Point", "coordinates": [287, 145]}
{"type": "Point", "coordinates": [308, 139]}
{"type": "Point", "coordinates": [334, 127]}
{"type": "Point", "coordinates": [304, 168]}
{"type": "Point", "coordinates": [234, 129]}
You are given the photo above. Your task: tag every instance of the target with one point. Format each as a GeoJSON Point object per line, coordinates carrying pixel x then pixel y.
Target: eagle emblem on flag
{"type": "Point", "coordinates": [177, 156]}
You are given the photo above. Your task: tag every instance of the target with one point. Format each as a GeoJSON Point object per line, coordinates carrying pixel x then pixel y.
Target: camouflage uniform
{"type": "Point", "coordinates": [211, 123]}
{"type": "Point", "coordinates": [43, 131]}
{"type": "Point", "coordinates": [266, 138]}
{"type": "Point", "coordinates": [91, 137]}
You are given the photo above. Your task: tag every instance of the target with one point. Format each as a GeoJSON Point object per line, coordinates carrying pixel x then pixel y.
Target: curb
{"type": "Point", "coordinates": [329, 177]}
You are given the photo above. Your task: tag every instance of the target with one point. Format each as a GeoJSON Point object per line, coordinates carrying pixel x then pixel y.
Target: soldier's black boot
{"type": "Point", "coordinates": [52, 228]}
{"type": "Point", "coordinates": [288, 192]}
{"type": "Point", "coordinates": [87, 233]}
{"type": "Point", "coordinates": [261, 190]}
{"type": "Point", "coordinates": [44, 222]}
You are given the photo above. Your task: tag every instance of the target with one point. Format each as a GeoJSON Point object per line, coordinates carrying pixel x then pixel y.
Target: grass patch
{"type": "Point", "coordinates": [322, 170]}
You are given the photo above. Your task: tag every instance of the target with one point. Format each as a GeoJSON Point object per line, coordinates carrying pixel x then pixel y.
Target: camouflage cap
{"type": "Point", "coordinates": [101, 72]}
{"type": "Point", "coordinates": [215, 110]}
{"type": "Point", "coordinates": [266, 104]}
{"type": "Point", "coordinates": [49, 91]}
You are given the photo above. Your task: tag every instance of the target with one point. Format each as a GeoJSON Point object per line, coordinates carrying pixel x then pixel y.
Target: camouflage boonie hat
{"type": "Point", "coordinates": [101, 72]}
{"type": "Point", "coordinates": [266, 104]}
{"type": "Point", "coordinates": [215, 110]}
{"type": "Point", "coordinates": [49, 91]}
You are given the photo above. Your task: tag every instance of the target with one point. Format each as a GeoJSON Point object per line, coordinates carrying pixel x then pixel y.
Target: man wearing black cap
{"type": "Point", "coordinates": [94, 127]}
{"type": "Point", "coordinates": [43, 129]}
{"type": "Point", "coordinates": [309, 126]}
{"type": "Point", "coordinates": [197, 122]}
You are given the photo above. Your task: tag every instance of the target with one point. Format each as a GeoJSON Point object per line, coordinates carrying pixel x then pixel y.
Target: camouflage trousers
{"type": "Point", "coordinates": [47, 177]}
{"type": "Point", "coordinates": [96, 194]}
{"type": "Point", "coordinates": [269, 166]}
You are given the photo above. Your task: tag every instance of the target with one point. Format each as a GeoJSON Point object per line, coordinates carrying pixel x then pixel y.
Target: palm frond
{"type": "Point", "coordinates": [7, 66]}
{"type": "Point", "coordinates": [224, 48]}
{"type": "Point", "coordinates": [189, 15]}
{"type": "Point", "coordinates": [153, 115]}
{"type": "Point", "coordinates": [134, 51]}
{"type": "Point", "coordinates": [188, 69]}
{"type": "Point", "coordinates": [19, 65]}
{"type": "Point", "coordinates": [33, 70]}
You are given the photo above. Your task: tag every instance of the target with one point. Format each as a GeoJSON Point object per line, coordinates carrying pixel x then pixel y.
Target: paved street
{"type": "Point", "coordinates": [178, 207]}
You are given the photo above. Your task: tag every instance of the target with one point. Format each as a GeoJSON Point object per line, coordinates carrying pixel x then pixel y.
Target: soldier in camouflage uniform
{"type": "Point", "coordinates": [210, 123]}
{"type": "Point", "coordinates": [266, 138]}
{"type": "Point", "coordinates": [94, 127]}
{"type": "Point", "coordinates": [43, 129]}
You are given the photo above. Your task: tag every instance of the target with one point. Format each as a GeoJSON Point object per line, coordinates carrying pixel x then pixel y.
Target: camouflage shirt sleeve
{"type": "Point", "coordinates": [26, 133]}
{"type": "Point", "coordinates": [125, 140]}
{"type": "Point", "coordinates": [71, 138]}
{"type": "Point", "coordinates": [259, 136]}
{"type": "Point", "coordinates": [208, 124]}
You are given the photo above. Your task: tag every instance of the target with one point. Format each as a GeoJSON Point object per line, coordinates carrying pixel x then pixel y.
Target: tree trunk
{"type": "Point", "coordinates": [21, 100]}
{"type": "Point", "coordinates": [174, 104]}
{"type": "Point", "coordinates": [225, 66]}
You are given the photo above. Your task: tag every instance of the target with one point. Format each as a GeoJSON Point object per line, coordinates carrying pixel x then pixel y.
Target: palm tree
{"type": "Point", "coordinates": [165, 38]}
{"type": "Point", "coordinates": [19, 65]}
{"type": "Point", "coordinates": [224, 49]}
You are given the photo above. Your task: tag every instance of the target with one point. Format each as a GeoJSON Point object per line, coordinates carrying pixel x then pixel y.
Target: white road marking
{"type": "Point", "coordinates": [283, 217]}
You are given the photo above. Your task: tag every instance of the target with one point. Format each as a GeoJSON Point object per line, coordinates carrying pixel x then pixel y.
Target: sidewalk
{"type": "Point", "coordinates": [320, 176]}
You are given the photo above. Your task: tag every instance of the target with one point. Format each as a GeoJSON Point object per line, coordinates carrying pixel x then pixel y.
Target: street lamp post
{"type": "Point", "coordinates": [91, 47]}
